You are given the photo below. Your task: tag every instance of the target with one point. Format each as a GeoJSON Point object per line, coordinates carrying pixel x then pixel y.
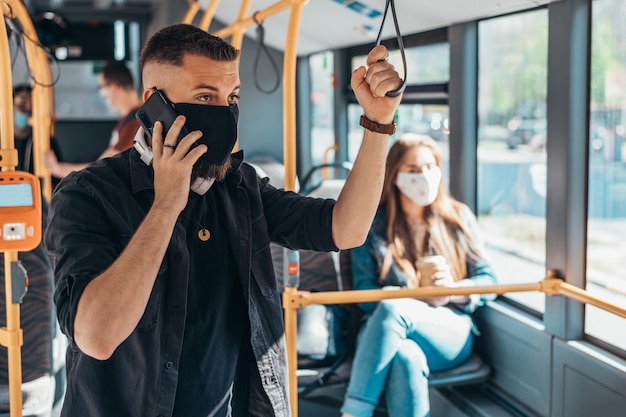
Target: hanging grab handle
{"type": "Point", "coordinates": [260, 31]}
{"type": "Point", "coordinates": [391, 4]}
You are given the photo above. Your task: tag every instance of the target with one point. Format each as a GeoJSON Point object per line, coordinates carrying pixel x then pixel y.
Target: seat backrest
{"type": "Point", "coordinates": [268, 166]}
{"type": "Point", "coordinates": [317, 269]}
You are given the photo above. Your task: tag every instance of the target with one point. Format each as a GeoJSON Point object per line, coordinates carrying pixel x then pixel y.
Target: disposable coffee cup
{"type": "Point", "coordinates": [426, 266]}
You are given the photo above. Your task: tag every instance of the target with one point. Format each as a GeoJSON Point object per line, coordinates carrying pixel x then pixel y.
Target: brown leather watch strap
{"type": "Point", "coordinates": [377, 127]}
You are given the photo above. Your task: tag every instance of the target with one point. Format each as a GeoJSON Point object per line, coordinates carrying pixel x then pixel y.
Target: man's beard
{"type": "Point", "coordinates": [203, 169]}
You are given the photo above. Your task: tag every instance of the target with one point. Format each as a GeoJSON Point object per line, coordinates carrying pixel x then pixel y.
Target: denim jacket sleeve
{"type": "Point", "coordinates": [480, 273]}
{"type": "Point", "coordinates": [364, 270]}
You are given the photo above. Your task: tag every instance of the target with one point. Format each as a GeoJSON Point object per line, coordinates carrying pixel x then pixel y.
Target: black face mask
{"type": "Point", "coordinates": [218, 125]}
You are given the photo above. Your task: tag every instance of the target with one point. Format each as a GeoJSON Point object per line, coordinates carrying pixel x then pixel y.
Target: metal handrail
{"type": "Point", "coordinates": [294, 299]}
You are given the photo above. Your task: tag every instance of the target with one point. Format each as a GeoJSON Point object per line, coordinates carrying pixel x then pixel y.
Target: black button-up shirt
{"type": "Point", "coordinates": [93, 215]}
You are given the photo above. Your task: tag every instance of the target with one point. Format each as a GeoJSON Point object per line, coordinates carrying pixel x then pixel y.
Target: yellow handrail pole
{"type": "Point", "coordinates": [578, 294]}
{"type": "Point", "coordinates": [331, 148]}
{"type": "Point", "coordinates": [260, 15]}
{"type": "Point", "coordinates": [304, 298]}
{"type": "Point", "coordinates": [291, 331]}
{"type": "Point", "coordinates": [238, 27]}
{"type": "Point", "coordinates": [208, 14]}
{"type": "Point", "coordinates": [237, 36]}
{"type": "Point", "coordinates": [289, 157]}
{"type": "Point", "coordinates": [51, 108]}
{"type": "Point", "coordinates": [191, 12]}
{"type": "Point", "coordinates": [549, 286]}
{"type": "Point", "coordinates": [289, 93]}
{"type": "Point", "coordinates": [6, 94]}
{"type": "Point", "coordinates": [294, 299]}
{"type": "Point", "coordinates": [10, 336]}
{"type": "Point", "coordinates": [8, 153]}
{"type": "Point", "coordinates": [41, 73]}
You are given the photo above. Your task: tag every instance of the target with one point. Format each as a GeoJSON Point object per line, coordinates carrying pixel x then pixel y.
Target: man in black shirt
{"type": "Point", "coordinates": [164, 278]}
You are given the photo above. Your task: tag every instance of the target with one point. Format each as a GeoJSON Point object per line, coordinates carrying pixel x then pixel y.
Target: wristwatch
{"type": "Point", "coordinates": [377, 127]}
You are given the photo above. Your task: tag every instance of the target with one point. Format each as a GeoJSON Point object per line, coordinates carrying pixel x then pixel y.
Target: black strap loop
{"type": "Point", "coordinates": [260, 32]}
{"type": "Point", "coordinates": [391, 4]}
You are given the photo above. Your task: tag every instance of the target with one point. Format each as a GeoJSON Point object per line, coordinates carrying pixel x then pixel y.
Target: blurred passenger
{"type": "Point", "coordinates": [115, 83]}
{"type": "Point", "coordinates": [403, 340]}
{"type": "Point", "coordinates": [164, 276]}
{"type": "Point", "coordinates": [22, 129]}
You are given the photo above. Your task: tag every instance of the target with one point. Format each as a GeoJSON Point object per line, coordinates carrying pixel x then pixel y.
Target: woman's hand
{"type": "Point", "coordinates": [440, 278]}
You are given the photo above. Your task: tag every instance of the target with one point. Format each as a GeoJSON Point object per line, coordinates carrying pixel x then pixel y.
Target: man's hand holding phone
{"type": "Point", "coordinates": [172, 163]}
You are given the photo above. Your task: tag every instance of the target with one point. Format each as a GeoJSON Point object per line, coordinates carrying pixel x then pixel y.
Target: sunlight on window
{"type": "Point", "coordinates": [511, 147]}
{"type": "Point", "coordinates": [606, 228]}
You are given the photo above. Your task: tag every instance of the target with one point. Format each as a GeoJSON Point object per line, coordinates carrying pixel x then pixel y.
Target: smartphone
{"type": "Point", "coordinates": [158, 108]}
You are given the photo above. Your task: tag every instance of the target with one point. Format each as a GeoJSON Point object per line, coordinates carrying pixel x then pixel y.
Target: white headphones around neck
{"type": "Point", "coordinates": [145, 152]}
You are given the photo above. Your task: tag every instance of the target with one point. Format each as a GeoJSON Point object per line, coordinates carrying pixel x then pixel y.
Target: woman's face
{"type": "Point", "coordinates": [418, 159]}
{"type": "Point", "coordinates": [418, 177]}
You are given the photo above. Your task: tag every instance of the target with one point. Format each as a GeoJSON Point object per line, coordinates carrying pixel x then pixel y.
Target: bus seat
{"type": "Point", "coordinates": [37, 397]}
{"type": "Point", "coordinates": [328, 188]}
{"type": "Point", "coordinates": [336, 169]}
{"type": "Point", "coordinates": [268, 166]}
{"type": "Point", "coordinates": [472, 371]}
{"type": "Point", "coordinates": [321, 332]}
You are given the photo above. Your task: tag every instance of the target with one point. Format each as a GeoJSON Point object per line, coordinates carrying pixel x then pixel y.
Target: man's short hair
{"type": "Point", "coordinates": [170, 44]}
{"type": "Point", "coordinates": [22, 88]}
{"type": "Point", "coordinates": [116, 72]}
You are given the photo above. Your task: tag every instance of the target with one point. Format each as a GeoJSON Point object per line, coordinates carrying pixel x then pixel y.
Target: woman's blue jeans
{"type": "Point", "coordinates": [401, 342]}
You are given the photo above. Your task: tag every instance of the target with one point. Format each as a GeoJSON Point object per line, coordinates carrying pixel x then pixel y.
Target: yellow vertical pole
{"type": "Point", "coordinates": [6, 94]}
{"type": "Point", "coordinates": [239, 26]}
{"type": "Point", "coordinates": [289, 156]}
{"type": "Point", "coordinates": [291, 330]}
{"type": "Point", "coordinates": [207, 16]}
{"type": "Point", "coordinates": [289, 93]}
{"type": "Point", "coordinates": [42, 90]}
{"type": "Point", "coordinates": [191, 12]}
{"type": "Point", "coordinates": [237, 37]}
{"type": "Point", "coordinates": [11, 335]}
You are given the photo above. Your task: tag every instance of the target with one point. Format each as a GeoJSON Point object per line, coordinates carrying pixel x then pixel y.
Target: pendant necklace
{"type": "Point", "coordinates": [203, 233]}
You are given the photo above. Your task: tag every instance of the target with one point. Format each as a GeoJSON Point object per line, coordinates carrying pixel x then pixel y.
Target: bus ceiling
{"type": "Point", "coordinates": [345, 23]}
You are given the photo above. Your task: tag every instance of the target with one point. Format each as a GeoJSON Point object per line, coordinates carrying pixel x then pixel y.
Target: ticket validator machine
{"type": "Point", "coordinates": [20, 211]}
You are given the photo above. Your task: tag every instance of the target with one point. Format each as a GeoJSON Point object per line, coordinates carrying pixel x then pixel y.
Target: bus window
{"type": "Point", "coordinates": [424, 119]}
{"type": "Point", "coordinates": [606, 223]}
{"type": "Point", "coordinates": [512, 60]}
{"type": "Point", "coordinates": [426, 65]}
{"type": "Point", "coordinates": [322, 96]}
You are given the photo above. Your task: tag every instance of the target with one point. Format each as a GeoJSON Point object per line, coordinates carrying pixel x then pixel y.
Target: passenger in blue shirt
{"type": "Point", "coordinates": [403, 340]}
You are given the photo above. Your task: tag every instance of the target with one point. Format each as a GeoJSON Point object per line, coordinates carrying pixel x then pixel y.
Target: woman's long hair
{"type": "Point", "coordinates": [446, 235]}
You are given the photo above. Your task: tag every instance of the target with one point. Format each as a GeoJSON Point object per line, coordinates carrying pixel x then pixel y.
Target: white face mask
{"type": "Point", "coordinates": [422, 189]}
